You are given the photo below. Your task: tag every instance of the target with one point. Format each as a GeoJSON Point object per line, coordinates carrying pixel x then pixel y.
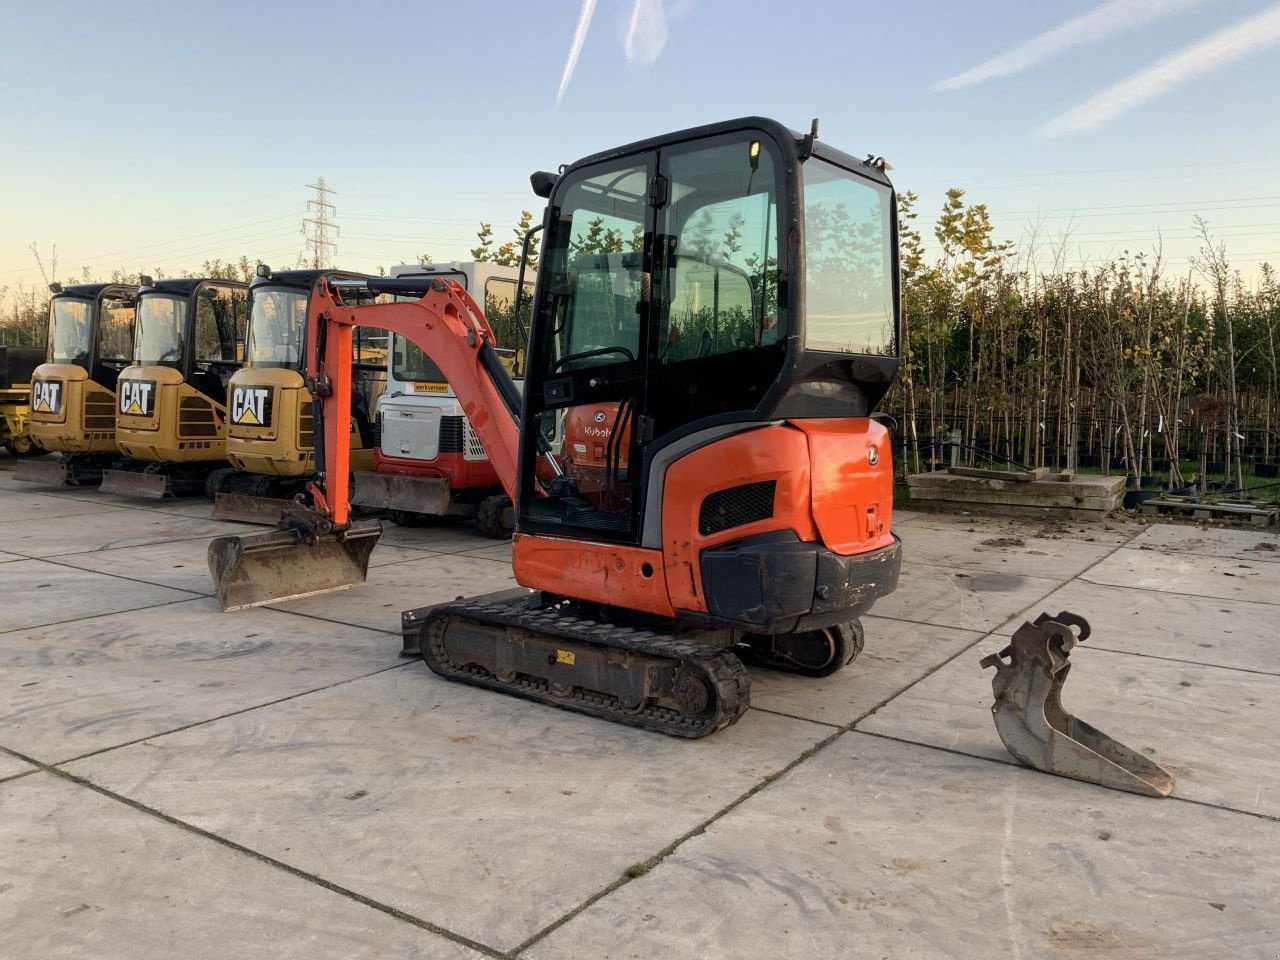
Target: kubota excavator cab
{"type": "Point", "coordinates": [270, 435]}
{"type": "Point", "coordinates": [723, 303]}
{"type": "Point", "coordinates": [73, 400]}
{"type": "Point", "coordinates": [429, 461]}
{"type": "Point", "coordinates": [171, 410]}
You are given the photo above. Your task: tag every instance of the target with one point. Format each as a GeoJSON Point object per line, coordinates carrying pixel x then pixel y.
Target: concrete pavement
{"type": "Point", "coordinates": [175, 781]}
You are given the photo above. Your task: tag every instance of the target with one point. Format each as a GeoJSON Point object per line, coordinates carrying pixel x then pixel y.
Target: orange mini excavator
{"type": "Point", "coordinates": [697, 476]}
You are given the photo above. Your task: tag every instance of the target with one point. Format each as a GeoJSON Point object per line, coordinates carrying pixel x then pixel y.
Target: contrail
{"type": "Point", "coordinates": [1224, 47]}
{"type": "Point", "coordinates": [579, 37]}
{"type": "Point", "coordinates": [646, 32]}
{"type": "Point", "coordinates": [1115, 16]}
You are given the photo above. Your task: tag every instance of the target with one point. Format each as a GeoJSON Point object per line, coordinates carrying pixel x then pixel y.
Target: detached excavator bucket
{"type": "Point", "coordinates": [1037, 730]}
{"type": "Point", "coordinates": [286, 564]}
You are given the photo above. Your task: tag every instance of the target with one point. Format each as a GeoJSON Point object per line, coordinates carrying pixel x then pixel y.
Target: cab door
{"type": "Point", "coordinates": [586, 389]}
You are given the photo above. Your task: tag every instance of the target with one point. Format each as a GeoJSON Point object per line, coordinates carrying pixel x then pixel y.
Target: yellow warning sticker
{"type": "Point", "coordinates": [135, 409]}
{"type": "Point", "coordinates": [565, 656]}
{"type": "Point", "coordinates": [430, 388]}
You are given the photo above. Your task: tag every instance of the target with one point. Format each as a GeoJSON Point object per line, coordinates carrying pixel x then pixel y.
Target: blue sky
{"type": "Point", "coordinates": [154, 135]}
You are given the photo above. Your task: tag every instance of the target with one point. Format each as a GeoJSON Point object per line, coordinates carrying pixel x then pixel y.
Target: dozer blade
{"type": "Point", "coordinates": [50, 471]}
{"type": "Point", "coordinates": [135, 483]}
{"type": "Point", "coordinates": [286, 564]}
{"type": "Point", "coordinates": [391, 491]}
{"type": "Point", "coordinates": [1037, 730]}
{"type": "Point", "coordinates": [243, 508]}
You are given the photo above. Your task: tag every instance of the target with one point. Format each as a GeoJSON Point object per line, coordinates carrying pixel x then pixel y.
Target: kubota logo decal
{"type": "Point", "coordinates": [251, 406]}
{"type": "Point", "coordinates": [137, 397]}
{"type": "Point", "coordinates": [46, 396]}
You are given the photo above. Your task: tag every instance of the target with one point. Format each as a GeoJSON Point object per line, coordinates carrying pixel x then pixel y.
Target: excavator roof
{"type": "Point", "coordinates": [91, 290]}
{"type": "Point", "coordinates": [778, 131]}
{"type": "Point", "coordinates": [305, 278]}
{"type": "Point", "coordinates": [183, 286]}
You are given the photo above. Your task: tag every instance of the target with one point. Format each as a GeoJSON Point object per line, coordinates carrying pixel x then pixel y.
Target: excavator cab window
{"type": "Point", "coordinates": [161, 330]}
{"type": "Point", "coordinates": [277, 327]}
{"type": "Point", "coordinates": [660, 310]}
{"type": "Point", "coordinates": [849, 298]}
{"type": "Point", "coordinates": [71, 330]}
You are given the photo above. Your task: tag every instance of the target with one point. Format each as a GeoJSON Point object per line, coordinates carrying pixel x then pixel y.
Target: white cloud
{"type": "Point", "coordinates": [1217, 50]}
{"type": "Point", "coordinates": [646, 32]}
{"type": "Point", "coordinates": [1113, 17]}
{"type": "Point", "coordinates": [575, 48]}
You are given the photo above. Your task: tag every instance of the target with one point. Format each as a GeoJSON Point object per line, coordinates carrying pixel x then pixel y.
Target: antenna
{"type": "Point", "coordinates": [321, 225]}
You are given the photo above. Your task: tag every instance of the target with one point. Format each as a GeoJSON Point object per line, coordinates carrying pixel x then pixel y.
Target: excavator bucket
{"type": "Point", "coordinates": [285, 564]}
{"type": "Point", "coordinates": [1037, 730]}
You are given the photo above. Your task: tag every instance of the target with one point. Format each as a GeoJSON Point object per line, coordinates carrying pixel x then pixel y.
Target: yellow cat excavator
{"type": "Point", "coordinates": [171, 411]}
{"type": "Point", "coordinates": [697, 475]}
{"type": "Point", "coordinates": [73, 400]}
{"type": "Point", "coordinates": [270, 431]}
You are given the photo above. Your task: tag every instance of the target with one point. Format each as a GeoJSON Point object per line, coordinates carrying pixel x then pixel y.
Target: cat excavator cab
{"type": "Point", "coordinates": [171, 409]}
{"type": "Point", "coordinates": [73, 399]}
{"type": "Point", "coordinates": [270, 431]}
{"type": "Point", "coordinates": [725, 301]}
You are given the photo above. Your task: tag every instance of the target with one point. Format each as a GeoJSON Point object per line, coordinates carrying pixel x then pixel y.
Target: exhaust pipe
{"type": "Point", "coordinates": [1037, 730]}
{"type": "Point", "coordinates": [286, 564]}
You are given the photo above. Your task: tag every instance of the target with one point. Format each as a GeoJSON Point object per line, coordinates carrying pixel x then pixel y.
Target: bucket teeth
{"type": "Point", "coordinates": [1035, 728]}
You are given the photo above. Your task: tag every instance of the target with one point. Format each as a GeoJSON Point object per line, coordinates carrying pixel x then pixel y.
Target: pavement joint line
{"type": "Point", "coordinates": [133, 546]}
{"type": "Point", "coordinates": [1193, 663]}
{"type": "Point", "coordinates": [793, 716]}
{"type": "Point", "coordinates": [56, 771]}
{"type": "Point", "coordinates": [1170, 593]}
{"type": "Point", "coordinates": [647, 865]}
{"type": "Point", "coordinates": [18, 776]}
{"type": "Point", "coordinates": [147, 508]}
{"type": "Point", "coordinates": [341, 623]}
{"type": "Point", "coordinates": [1032, 770]}
{"type": "Point", "coordinates": [108, 613]}
{"type": "Point", "coordinates": [224, 716]}
{"type": "Point", "coordinates": [119, 576]}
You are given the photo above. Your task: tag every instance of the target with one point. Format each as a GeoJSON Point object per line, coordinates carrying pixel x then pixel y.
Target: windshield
{"type": "Point", "coordinates": [69, 330]}
{"type": "Point", "coordinates": [849, 290]}
{"type": "Point", "coordinates": [162, 322]}
{"type": "Point", "coordinates": [277, 327]}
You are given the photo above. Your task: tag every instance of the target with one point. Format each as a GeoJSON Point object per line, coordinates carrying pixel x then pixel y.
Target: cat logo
{"type": "Point", "coordinates": [251, 406]}
{"type": "Point", "coordinates": [46, 396]}
{"type": "Point", "coordinates": [137, 397]}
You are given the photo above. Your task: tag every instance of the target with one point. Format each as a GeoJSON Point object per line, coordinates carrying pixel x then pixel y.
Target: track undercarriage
{"type": "Point", "coordinates": [649, 674]}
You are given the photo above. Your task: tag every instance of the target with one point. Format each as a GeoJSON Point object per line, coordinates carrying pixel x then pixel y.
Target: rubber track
{"type": "Point", "coordinates": [721, 668]}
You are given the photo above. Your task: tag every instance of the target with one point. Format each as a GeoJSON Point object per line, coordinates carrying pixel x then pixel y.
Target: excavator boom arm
{"type": "Point", "coordinates": [445, 323]}
{"type": "Point", "coordinates": [448, 325]}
